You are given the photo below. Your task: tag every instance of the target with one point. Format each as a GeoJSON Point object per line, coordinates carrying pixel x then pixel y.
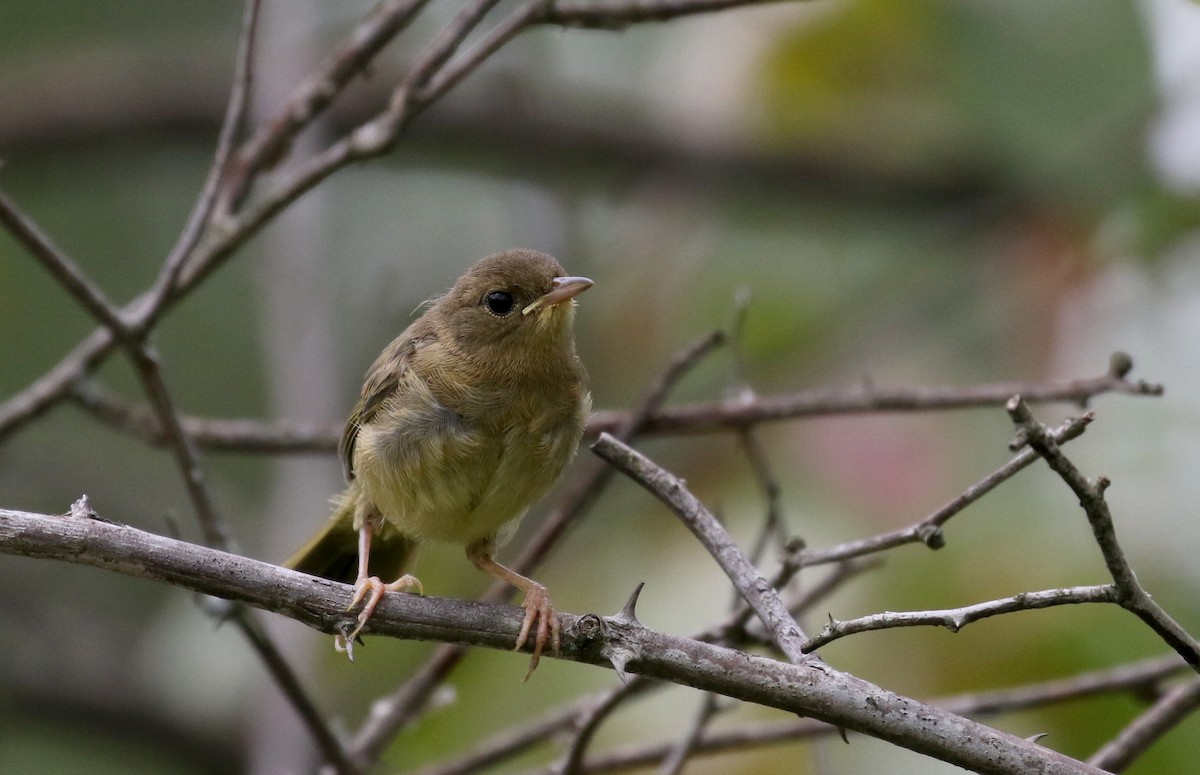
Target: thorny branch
{"type": "Point", "coordinates": [1129, 592]}
{"type": "Point", "coordinates": [252, 180]}
{"type": "Point", "coordinates": [954, 619]}
{"type": "Point", "coordinates": [811, 689]}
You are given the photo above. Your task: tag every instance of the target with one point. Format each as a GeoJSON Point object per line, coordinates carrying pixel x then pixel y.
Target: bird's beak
{"type": "Point", "coordinates": [562, 289]}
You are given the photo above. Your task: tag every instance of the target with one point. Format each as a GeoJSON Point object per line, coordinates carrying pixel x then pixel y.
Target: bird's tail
{"type": "Point", "coordinates": [333, 552]}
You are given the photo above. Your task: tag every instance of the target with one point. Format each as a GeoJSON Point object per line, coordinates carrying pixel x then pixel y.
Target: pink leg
{"type": "Point", "coordinates": [537, 603]}
{"type": "Point", "coordinates": [369, 588]}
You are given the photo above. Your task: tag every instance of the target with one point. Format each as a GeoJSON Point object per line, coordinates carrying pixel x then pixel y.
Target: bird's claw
{"type": "Point", "coordinates": [371, 589]}
{"type": "Point", "coordinates": [538, 607]}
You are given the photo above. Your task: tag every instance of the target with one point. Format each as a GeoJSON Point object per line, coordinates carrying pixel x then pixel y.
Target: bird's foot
{"type": "Point", "coordinates": [371, 589]}
{"type": "Point", "coordinates": [538, 608]}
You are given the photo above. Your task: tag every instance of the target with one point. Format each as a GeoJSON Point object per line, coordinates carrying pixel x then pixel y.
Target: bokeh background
{"type": "Point", "coordinates": [929, 192]}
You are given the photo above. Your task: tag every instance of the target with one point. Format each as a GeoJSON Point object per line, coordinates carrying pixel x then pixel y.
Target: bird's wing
{"type": "Point", "coordinates": [383, 378]}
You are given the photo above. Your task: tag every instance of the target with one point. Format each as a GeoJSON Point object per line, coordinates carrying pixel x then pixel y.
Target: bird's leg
{"type": "Point", "coordinates": [537, 602]}
{"type": "Point", "coordinates": [370, 588]}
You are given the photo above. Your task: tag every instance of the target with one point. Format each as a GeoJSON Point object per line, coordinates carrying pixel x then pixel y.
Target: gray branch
{"type": "Point", "coordinates": [812, 689]}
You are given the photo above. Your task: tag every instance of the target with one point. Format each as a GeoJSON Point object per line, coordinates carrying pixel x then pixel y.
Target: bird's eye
{"type": "Point", "coordinates": [499, 303]}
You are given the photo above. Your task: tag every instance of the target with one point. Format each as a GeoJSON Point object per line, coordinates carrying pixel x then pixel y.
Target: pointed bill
{"type": "Point", "coordinates": [562, 289]}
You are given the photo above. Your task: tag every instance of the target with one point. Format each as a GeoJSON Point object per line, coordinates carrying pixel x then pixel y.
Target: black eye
{"type": "Point", "coordinates": [499, 302]}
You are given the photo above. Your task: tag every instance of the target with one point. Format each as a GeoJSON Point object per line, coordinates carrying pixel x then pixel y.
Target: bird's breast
{"type": "Point", "coordinates": [461, 474]}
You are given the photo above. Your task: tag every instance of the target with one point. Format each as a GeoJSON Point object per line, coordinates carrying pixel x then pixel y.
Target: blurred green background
{"type": "Point", "coordinates": [929, 192]}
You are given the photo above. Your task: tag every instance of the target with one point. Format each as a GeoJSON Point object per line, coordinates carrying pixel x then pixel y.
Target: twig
{"type": "Point", "coordinates": [71, 277]}
{"type": "Point", "coordinates": [61, 267]}
{"type": "Point", "coordinates": [929, 529]}
{"type": "Point", "coordinates": [251, 436]}
{"type": "Point", "coordinates": [674, 762]}
{"type": "Point", "coordinates": [350, 58]}
{"type": "Point", "coordinates": [708, 417]}
{"type": "Point", "coordinates": [1136, 677]}
{"type": "Point", "coordinates": [1129, 592]}
{"type": "Point", "coordinates": [954, 619]}
{"type": "Point", "coordinates": [1170, 709]}
{"type": "Point", "coordinates": [749, 582]}
{"type": "Point", "coordinates": [619, 14]}
{"type": "Point", "coordinates": [231, 127]}
{"type": "Point", "coordinates": [812, 689]}
{"type": "Point", "coordinates": [289, 683]}
{"type": "Point", "coordinates": [586, 724]}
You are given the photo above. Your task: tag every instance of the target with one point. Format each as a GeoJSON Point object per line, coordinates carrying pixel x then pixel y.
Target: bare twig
{"type": "Point", "coordinates": [954, 619]}
{"type": "Point", "coordinates": [708, 417]}
{"type": "Point", "coordinates": [349, 59]}
{"type": "Point", "coordinates": [749, 582]}
{"type": "Point", "coordinates": [61, 267]}
{"type": "Point", "coordinates": [586, 724]}
{"type": "Point", "coordinates": [1129, 592]}
{"type": "Point", "coordinates": [231, 128]}
{"type": "Point", "coordinates": [1170, 709]}
{"type": "Point", "coordinates": [674, 762]}
{"type": "Point", "coordinates": [289, 683]}
{"type": "Point", "coordinates": [1136, 677]}
{"type": "Point", "coordinates": [929, 530]}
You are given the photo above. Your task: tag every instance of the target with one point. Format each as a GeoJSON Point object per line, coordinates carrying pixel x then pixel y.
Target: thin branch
{"type": "Point", "coordinates": [586, 724]}
{"type": "Point", "coordinates": [709, 417]}
{"type": "Point", "coordinates": [231, 128]}
{"type": "Point", "coordinates": [252, 436]}
{"type": "Point", "coordinates": [349, 59]}
{"type": "Point", "coordinates": [619, 14]}
{"type": "Point", "coordinates": [238, 435]}
{"type": "Point", "coordinates": [1130, 593]}
{"type": "Point", "coordinates": [92, 298]}
{"type": "Point", "coordinates": [674, 762]}
{"type": "Point", "coordinates": [68, 274]}
{"type": "Point", "coordinates": [929, 530]}
{"type": "Point", "coordinates": [954, 619]}
{"type": "Point", "coordinates": [745, 577]}
{"type": "Point", "coordinates": [1170, 709]}
{"type": "Point", "coordinates": [289, 683]}
{"type": "Point", "coordinates": [812, 689]}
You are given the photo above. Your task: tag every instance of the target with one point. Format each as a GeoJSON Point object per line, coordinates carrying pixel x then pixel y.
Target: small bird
{"type": "Point", "coordinates": [465, 419]}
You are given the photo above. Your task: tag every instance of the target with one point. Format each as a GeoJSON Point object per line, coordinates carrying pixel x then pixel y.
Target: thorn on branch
{"type": "Point", "coordinates": [628, 614]}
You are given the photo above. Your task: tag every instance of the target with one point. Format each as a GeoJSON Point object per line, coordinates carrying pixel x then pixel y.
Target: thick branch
{"type": "Point", "coordinates": [812, 689]}
{"type": "Point", "coordinates": [1138, 678]}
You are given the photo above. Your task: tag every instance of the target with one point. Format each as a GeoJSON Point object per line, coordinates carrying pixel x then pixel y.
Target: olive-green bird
{"type": "Point", "coordinates": [465, 419]}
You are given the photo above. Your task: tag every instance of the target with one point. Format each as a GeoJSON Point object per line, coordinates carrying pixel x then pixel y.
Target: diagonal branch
{"type": "Point", "coordinates": [929, 530]}
{"type": "Point", "coordinates": [68, 274]}
{"type": "Point", "coordinates": [231, 128]}
{"type": "Point", "coordinates": [1164, 715]}
{"type": "Point", "coordinates": [745, 577]}
{"type": "Point", "coordinates": [1130, 594]}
